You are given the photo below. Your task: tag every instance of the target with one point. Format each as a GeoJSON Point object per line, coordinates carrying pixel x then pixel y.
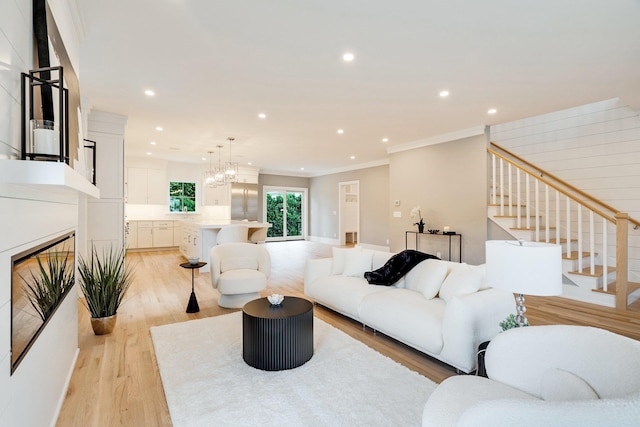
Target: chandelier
{"type": "Point", "coordinates": [230, 168]}
{"type": "Point", "coordinates": [215, 177]}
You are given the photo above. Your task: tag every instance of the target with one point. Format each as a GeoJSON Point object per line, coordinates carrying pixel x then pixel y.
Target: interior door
{"type": "Point", "coordinates": [285, 210]}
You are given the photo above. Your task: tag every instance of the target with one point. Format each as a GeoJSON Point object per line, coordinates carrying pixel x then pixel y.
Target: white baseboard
{"type": "Point", "coordinates": [325, 240]}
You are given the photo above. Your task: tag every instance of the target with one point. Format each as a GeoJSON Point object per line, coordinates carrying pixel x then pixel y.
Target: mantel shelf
{"type": "Point", "coordinates": [48, 174]}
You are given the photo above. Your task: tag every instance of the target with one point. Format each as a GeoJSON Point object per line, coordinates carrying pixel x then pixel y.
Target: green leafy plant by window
{"type": "Point", "coordinates": [182, 196]}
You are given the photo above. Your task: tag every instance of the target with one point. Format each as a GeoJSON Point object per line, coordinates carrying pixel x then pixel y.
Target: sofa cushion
{"type": "Point", "coordinates": [339, 258]}
{"type": "Point", "coordinates": [356, 263]}
{"type": "Point", "coordinates": [426, 277]}
{"type": "Point", "coordinates": [558, 384]}
{"type": "Point", "coordinates": [406, 316]}
{"type": "Point", "coordinates": [462, 280]}
{"type": "Point", "coordinates": [238, 263]}
{"type": "Point", "coordinates": [343, 293]}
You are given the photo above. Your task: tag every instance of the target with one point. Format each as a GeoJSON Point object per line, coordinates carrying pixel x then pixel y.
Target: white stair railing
{"type": "Point", "coordinates": [565, 218]}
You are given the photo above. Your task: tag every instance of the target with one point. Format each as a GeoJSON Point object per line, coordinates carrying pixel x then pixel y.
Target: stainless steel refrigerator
{"type": "Point", "coordinates": [244, 202]}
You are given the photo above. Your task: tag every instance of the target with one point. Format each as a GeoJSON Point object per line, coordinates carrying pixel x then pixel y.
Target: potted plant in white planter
{"type": "Point", "coordinates": [104, 282]}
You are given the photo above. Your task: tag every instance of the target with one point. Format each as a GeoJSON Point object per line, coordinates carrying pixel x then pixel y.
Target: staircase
{"type": "Point", "coordinates": [533, 205]}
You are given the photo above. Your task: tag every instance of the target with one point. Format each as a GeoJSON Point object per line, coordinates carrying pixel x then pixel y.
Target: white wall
{"type": "Point", "coordinates": [32, 396]}
{"type": "Point", "coordinates": [16, 56]}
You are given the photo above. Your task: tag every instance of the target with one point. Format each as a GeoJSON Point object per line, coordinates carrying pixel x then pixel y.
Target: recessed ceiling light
{"type": "Point", "coordinates": [301, 169]}
{"type": "Point", "coordinates": [340, 131]}
{"type": "Point", "coordinates": [203, 158]}
{"type": "Point", "coordinates": [348, 57]}
{"type": "Point", "coordinates": [262, 116]}
{"type": "Point", "coordinates": [148, 153]}
{"type": "Point", "coordinates": [352, 157]}
{"type": "Point", "coordinates": [385, 139]}
{"type": "Point", "coordinates": [153, 143]}
{"type": "Point", "coordinates": [149, 92]}
{"type": "Point", "coordinates": [159, 128]}
{"type": "Point", "coordinates": [492, 111]}
{"type": "Point", "coordinates": [444, 93]}
{"type": "Point", "coordinates": [250, 163]}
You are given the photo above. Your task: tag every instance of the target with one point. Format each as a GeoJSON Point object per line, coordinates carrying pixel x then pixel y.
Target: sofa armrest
{"type": "Point", "coordinates": [315, 269]}
{"type": "Point", "coordinates": [470, 320]}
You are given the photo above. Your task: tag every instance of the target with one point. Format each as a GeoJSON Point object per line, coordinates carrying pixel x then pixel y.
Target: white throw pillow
{"type": "Point", "coordinates": [357, 263]}
{"type": "Point", "coordinates": [558, 384]}
{"type": "Point", "coordinates": [426, 277]}
{"type": "Point", "coordinates": [339, 255]}
{"type": "Point", "coordinates": [462, 280]}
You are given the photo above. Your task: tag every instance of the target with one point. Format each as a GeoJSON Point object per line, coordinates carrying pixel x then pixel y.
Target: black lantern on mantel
{"type": "Point", "coordinates": [45, 115]}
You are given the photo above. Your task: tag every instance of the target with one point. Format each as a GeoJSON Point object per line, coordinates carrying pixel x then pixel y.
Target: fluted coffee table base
{"type": "Point", "coordinates": [275, 338]}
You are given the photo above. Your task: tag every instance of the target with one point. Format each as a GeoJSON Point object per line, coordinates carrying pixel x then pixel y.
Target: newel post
{"type": "Point", "coordinates": [622, 245]}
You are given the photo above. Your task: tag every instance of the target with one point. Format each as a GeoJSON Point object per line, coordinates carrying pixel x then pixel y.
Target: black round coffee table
{"type": "Point", "coordinates": [277, 337]}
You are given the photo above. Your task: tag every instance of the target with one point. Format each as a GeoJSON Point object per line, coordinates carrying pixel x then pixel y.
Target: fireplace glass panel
{"type": "Point", "coordinates": [26, 324]}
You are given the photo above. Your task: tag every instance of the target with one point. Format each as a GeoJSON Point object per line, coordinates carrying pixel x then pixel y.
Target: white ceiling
{"type": "Point", "coordinates": [215, 65]}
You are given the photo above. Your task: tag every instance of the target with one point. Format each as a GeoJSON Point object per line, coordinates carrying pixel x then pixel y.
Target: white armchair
{"type": "Point", "coordinates": [239, 271]}
{"type": "Point", "coordinates": [545, 376]}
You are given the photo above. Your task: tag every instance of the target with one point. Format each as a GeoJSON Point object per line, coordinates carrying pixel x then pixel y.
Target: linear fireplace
{"type": "Point", "coordinates": [26, 321]}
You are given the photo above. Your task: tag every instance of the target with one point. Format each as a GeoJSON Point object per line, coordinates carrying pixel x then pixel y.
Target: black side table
{"type": "Point", "coordinates": [482, 348]}
{"type": "Point", "coordinates": [193, 306]}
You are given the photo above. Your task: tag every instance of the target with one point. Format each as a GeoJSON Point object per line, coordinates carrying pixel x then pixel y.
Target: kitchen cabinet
{"type": "Point", "coordinates": [154, 234]}
{"type": "Point", "coordinates": [218, 196]}
{"type": "Point", "coordinates": [145, 234]}
{"type": "Point", "coordinates": [131, 235]}
{"type": "Point", "coordinates": [191, 241]}
{"type": "Point", "coordinates": [147, 186]}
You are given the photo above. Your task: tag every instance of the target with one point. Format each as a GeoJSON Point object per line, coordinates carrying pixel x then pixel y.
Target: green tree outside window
{"type": "Point", "coordinates": [182, 197]}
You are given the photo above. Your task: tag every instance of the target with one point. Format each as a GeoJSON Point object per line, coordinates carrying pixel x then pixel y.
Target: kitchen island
{"type": "Point", "coordinates": [198, 237]}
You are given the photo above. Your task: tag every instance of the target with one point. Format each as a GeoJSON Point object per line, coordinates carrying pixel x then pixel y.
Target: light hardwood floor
{"type": "Point", "coordinates": [116, 380]}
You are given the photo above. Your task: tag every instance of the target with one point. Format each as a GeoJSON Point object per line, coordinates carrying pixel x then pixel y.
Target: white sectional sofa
{"type": "Point", "coordinates": [441, 308]}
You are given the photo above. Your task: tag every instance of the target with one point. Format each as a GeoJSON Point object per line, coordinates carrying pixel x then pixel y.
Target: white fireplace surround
{"type": "Point", "coordinates": [39, 201]}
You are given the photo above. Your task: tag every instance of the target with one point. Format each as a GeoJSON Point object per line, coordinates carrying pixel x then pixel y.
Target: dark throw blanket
{"type": "Point", "coordinates": [397, 266]}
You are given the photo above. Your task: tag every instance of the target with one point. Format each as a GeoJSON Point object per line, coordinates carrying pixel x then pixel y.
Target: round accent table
{"type": "Point", "coordinates": [192, 306]}
{"type": "Point", "coordinates": [277, 337]}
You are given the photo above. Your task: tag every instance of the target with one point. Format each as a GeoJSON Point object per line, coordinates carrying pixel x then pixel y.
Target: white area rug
{"type": "Point", "coordinates": [207, 383]}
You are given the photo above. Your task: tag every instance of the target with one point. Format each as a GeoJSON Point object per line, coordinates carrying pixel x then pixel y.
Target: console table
{"type": "Point", "coordinates": [449, 235]}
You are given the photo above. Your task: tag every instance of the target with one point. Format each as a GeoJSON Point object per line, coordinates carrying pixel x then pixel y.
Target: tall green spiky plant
{"type": "Point", "coordinates": [104, 281]}
{"type": "Point", "coordinates": [49, 285]}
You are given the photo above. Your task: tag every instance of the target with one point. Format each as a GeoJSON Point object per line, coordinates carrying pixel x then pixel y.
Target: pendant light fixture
{"type": "Point", "coordinates": [210, 175]}
{"type": "Point", "coordinates": [230, 168]}
{"type": "Point", "coordinates": [215, 177]}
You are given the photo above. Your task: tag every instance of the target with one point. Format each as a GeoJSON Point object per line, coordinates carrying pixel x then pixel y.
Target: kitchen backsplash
{"type": "Point", "coordinates": [135, 212]}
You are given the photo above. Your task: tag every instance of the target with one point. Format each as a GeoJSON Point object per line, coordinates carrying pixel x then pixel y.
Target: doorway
{"type": "Point", "coordinates": [286, 210]}
{"type": "Point", "coordinates": [349, 211]}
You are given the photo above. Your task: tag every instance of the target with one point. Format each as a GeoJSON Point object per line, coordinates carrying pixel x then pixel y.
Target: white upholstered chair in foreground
{"type": "Point", "coordinates": [548, 376]}
{"type": "Point", "coordinates": [239, 271]}
{"type": "Point", "coordinates": [232, 233]}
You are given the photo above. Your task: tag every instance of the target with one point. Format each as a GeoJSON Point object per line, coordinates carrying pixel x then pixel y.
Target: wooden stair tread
{"type": "Point", "coordinates": [563, 240]}
{"type": "Point", "coordinates": [531, 228]}
{"type": "Point", "coordinates": [574, 255]}
{"type": "Point", "coordinates": [586, 271]}
{"type": "Point", "coordinates": [611, 288]}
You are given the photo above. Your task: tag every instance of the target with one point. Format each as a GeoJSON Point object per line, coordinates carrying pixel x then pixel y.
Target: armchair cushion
{"type": "Point", "coordinates": [233, 282]}
{"type": "Point", "coordinates": [558, 384]}
{"type": "Point", "coordinates": [238, 263]}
